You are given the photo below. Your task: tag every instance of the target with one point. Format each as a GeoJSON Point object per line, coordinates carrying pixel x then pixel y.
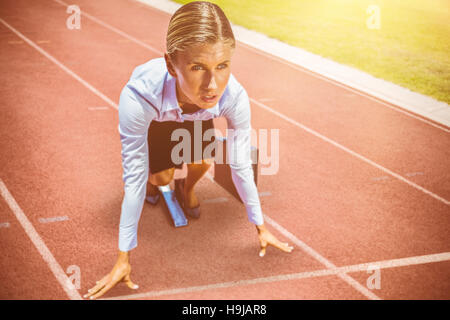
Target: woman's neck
{"type": "Point", "coordinates": [186, 107]}
{"type": "Point", "coordinates": [189, 108]}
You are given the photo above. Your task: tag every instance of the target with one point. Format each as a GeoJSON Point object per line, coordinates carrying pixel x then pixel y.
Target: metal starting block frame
{"type": "Point", "coordinates": [172, 205]}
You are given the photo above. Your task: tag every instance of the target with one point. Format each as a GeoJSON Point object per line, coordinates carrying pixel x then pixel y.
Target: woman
{"type": "Point", "coordinates": [192, 84]}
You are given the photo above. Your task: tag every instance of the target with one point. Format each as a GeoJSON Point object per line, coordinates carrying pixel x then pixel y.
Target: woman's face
{"type": "Point", "coordinates": [202, 73]}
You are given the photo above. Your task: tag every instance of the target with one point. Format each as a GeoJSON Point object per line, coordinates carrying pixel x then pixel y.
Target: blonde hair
{"type": "Point", "coordinates": [196, 23]}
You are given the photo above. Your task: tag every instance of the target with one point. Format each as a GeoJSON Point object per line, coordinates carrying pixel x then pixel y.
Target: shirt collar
{"type": "Point", "coordinates": [169, 98]}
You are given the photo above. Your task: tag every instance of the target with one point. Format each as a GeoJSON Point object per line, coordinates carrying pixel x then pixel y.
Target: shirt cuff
{"type": "Point", "coordinates": [255, 215]}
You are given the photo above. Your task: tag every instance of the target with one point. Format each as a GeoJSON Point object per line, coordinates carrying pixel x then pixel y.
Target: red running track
{"type": "Point", "coordinates": [358, 182]}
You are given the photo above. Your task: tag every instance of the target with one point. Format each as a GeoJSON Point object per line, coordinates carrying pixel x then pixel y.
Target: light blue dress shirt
{"type": "Point", "coordinates": [150, 95]}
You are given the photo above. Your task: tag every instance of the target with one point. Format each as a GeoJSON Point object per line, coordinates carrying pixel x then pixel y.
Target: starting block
{"type": "Point", "coordinates": [172, 205]}
{"type": "Point", "coordinates": [222, 170]}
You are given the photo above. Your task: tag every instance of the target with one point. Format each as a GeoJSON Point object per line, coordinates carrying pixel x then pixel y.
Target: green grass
{"type": "Point", "coordinates": [411, 49]}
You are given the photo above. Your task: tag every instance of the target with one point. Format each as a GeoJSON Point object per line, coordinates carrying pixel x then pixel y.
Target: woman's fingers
{"type": "Point", "coordinates": [271, 240]}
{"type": "Point", "coordinates": [129, 283]}
{"type": "Point", "coordinates": [262, 253]}
{"type": "Point", "coordinates": [283, 246]}
{"type": "Point", "coordinates": [109, 281]}
{"type": "Point", "coordinates": [103, 280]}
{"type": "Point", "coordinates": [108, 286]}
{"type": "Point", "coordinates": [100, 284]}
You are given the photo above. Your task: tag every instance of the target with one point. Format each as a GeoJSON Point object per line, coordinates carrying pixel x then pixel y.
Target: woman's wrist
{"type": "Point", "coordinates": [123, 257]}
{"type": "Point", "coordinates": [261, 227]}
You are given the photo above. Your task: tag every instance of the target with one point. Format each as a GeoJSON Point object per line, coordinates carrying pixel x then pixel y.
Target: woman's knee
{"type": "Point", "coordinates": [162, 178]}
{"type": "Point", "coordinates": [205, 164]}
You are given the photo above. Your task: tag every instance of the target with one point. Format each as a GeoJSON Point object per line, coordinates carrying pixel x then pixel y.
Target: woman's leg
{"type": "Point", "coordinates": [161, 178]}
{"type": "Point", "coordinates": [194, 174]}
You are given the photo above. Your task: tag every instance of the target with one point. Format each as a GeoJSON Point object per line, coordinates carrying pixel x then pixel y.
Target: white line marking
{"type": "Point", "coordinates": [385, 264]}
{"type": "Point", "coordinates": [216, 200]}
{"type": "Point", "coordinates": [97, 108]}
{"type": "Point", "coordinates": [59, 64]}
{"type": "Point", "coordinates": [353, 153]}
{"type": "Point", "coordinates": [54, 266]}
{"type": "Point", "coordinates": [266, 99]}
{"type": "Point", "coordinates": [53, 219]}
{"type": "Point", "coordinates": [412, 174]}
{"type": "Point", "coordinates": [264, 193]}
{"type": "Point", "coordinates": [380, 178]}
{"type": "Point", "coordinates": [345, 277]}
{"type": "Point", "coordinates": [43, 41]}
{"type": "Point", "coordinates": [294, 122]}
{"type": "Point", "coordinates": [4, 225]}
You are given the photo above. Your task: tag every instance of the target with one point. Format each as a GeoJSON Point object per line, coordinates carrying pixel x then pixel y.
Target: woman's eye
{"type": "Point", "coordinates": [220, 66]}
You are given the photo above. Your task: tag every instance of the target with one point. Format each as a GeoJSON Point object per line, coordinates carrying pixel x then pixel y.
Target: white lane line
{"type": "Point", "coordinates": [363, 267]}
{"type": "Point", "coordinates": [4, 225]}
{"type": "Point", "coordinates": [216, 200]}
{"type": "Point", "coordinates": [380, 178]}
{"type": "Point", "coordinates": [412, 174]}
{"type": "Point", "coordinates": [97, 108]}
{"type": "Point", "coordinates": [48, 257]}
{"type": "Point", "coordinates": [294, 122]}
{"type": "Point", "coordinates": [266, 99]}
{"type": "Point", "coordinates": [351, 152]}
{"type": "Point", "coordinates": [317, 256]}
{"type": "Point", "coordinates": [59, 64]}
{"type": "Point", "coordinates": [53, 219]}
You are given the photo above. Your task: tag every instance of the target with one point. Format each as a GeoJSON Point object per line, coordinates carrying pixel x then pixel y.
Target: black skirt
{"type": "Point", "coordinates": [160, 144]}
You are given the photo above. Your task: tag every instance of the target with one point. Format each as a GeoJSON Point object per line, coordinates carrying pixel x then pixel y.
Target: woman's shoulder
{"type": "Point", "coordinates": [154, 69]}
{"type": "Point", "coordinates": [233, 91]}
{"type": "Point", "coordinates": [234, 97]}
{"type": "Point", "coordinates": [234, 86]}
{"type": "Point", "coordinates": [148, 80]}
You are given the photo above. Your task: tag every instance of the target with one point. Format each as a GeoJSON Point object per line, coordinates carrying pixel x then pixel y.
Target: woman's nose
{"type": "Point", "coordinates": [212, 84]}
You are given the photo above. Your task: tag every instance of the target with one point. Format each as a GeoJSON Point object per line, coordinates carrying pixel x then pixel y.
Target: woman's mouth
{"type": "Point", "coordinates": [210, 98]}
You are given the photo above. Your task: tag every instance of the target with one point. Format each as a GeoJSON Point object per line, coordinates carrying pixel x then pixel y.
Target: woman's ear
{"type": "Point", "coordinates": [170, 66]}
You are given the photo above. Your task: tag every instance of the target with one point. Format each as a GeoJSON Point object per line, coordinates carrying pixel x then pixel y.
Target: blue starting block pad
{"type": "Point", "coordinates": [174, 208]}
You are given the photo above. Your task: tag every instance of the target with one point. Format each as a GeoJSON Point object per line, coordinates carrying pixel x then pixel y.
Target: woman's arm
{"type": "Point", "coordinates": [134, 121]}
{"type": "Point", "coordinates": [239, 158]}
{"type": "Point", "coordinates": [133, 129]}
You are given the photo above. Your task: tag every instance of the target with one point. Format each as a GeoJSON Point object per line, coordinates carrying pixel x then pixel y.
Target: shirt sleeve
{"type": "Point", "coordinates": [239, 156]}
{"type": "Point", "coordinates": [134, 120]}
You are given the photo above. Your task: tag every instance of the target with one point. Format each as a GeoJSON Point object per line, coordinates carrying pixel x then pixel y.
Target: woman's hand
{"type": "Point", "coordinates": [120, 272]}
{"type": "Point", "coordinates": [266, 238]}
